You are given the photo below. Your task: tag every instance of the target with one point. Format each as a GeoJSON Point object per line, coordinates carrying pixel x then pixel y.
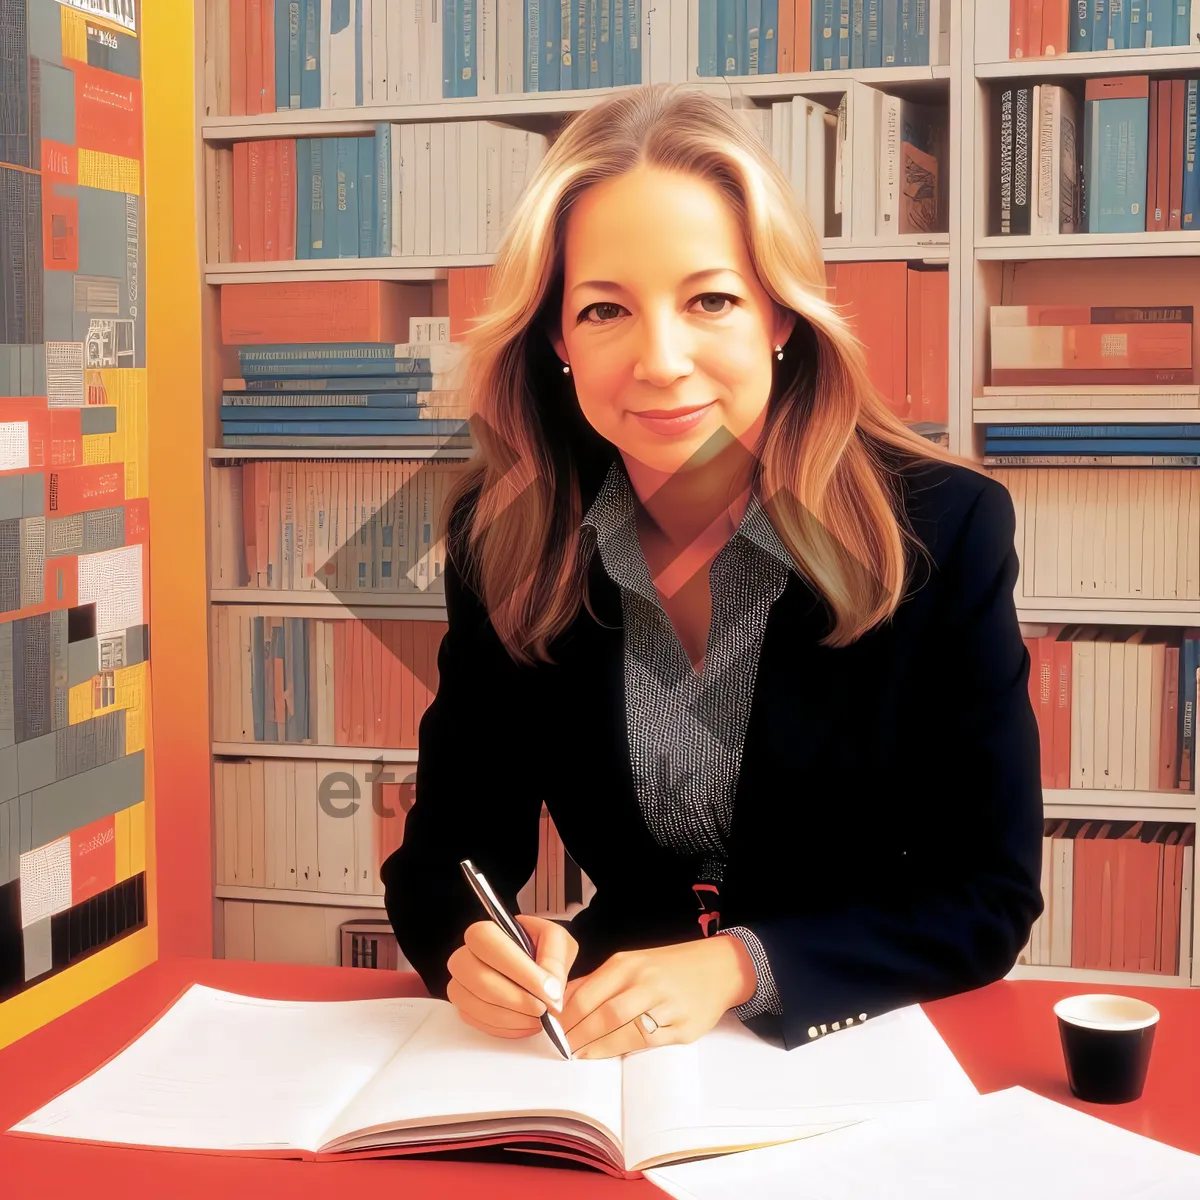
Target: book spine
{"type": "Point", "coordinates": [382, 247]}
{"type": "Point", "coordinates": [873, 31]}
{"type": "Point", "coordinates": [365, 195]}
{"type": "Point", "coordinates": [1191, 173]}
{"type": "Point", "coordinates": [1178, 121]}
{"type": "Point", "coordinates": [1160, 23]}
{"type": "Point", "coordinates": [1023, 117]}
{"type": "Point", "coordinates": [1124, 461]}
{"type": "Point", "coordinates": [1099, 25]}
{"type": "Point", "coordinates": [1118, 25]}
{"type": "Point", "coordinates": [889, 21]}
{"type": "Point", "coordinates": [1043, 377]}
{"type": "Point", "coordinates": [310, 75]}
{"type": "Point", "coordinates": [843, 35]}
{"type": "Point", "coordinates": [1080, 41]}
{"type": "Point", "coordinates": [1136, 24]}
{"type": "Point", "coordinates": [397, 428]}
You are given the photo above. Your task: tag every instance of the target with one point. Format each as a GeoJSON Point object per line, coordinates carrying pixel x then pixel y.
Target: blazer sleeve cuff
{"type": "Point", "coordinates": [766, 996]}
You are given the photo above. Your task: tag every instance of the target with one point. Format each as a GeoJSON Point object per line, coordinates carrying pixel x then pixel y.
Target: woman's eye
{"type": "Point", "coordinates": [597, 307]}
{"type": "Point", "coordinates": [720, 297]}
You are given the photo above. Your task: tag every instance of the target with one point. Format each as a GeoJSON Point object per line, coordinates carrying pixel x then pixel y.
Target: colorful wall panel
{"type": "Point", "coordinates": [74, 507]}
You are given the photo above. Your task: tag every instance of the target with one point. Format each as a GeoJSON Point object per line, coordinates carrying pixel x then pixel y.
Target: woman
{"type": "Point", "coordinates": [751, 640]}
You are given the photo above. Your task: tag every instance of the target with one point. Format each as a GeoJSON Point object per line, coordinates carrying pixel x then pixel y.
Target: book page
{"type": "Point", "coordinates": [225, 1072]}
{"type": "Point", "coordinates": [450, 1071]}
{"type": "Point", "coordinates": [732, 1089]}
{"type": "Point", "coordinates": [949, 1150]}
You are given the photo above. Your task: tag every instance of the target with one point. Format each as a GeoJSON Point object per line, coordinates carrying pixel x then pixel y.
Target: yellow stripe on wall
{"type": "Point", "coordinates": [110, 172]}
{"type": "Point", "coordinates": [74, 34]}
{"type": "Point", "coordinates": [121, 844]}
{"type": "Point", "coordinates": [137, 838]}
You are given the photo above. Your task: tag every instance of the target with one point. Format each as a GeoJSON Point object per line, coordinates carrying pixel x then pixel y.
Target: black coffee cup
{"type": "Point", "coordinates": [1106, 1042]}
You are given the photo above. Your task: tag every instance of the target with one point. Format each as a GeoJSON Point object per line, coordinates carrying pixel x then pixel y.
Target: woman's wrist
{"type": "Point", "coordinates": [737, 969]}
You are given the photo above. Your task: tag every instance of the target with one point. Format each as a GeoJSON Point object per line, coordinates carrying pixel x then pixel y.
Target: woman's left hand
{"type": "Point", "coordinates": [686, 988]}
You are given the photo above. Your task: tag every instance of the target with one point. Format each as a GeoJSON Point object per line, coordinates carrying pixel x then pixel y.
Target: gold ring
{"type": "Point", "coordinates": [648, 1023]}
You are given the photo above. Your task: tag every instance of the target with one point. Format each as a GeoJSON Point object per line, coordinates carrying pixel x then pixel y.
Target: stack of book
{"type": "Point", "coordinates": [735, 38]}
{"type": "Point", "coordinates": [273, 55]}
{"type": "Point", "coordinates": [1115, 706]}
{"type": "Point", "coordinates": [1047, 27]}
{"type": "Point", "coordinates": [1091, 445]}
{"type": "Point", "coordinates": [348, 197]}
{"type": "Point", "coordinates": [1117, 895]}
{"type": "Point", "coordinates": [1131, 168]}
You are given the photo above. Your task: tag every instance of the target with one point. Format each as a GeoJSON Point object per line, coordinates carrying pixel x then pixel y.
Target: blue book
{"type": "Point", "coordinates": [382, 245]}
{"type": "Point", "coordinates": [1117, 181]}
{"type": "Point", "coordinates": [315, 385]}
{"type": "Point", "coordinates": [295, 42]}
{"type": "Point", "coordinates": [1135, 23]}
{"type": "Point", "coordinates": [533, 62]}
{"type": "Point", "coordinates": [316, 147]}
{"type": "Point", "coordinates": [634, 32]}
{"type": "Point", "coordinates": [310, 76]}
{"type": "Point", "coordinates": [1183, 22]}
{"type": "Point", "coordinates": [233, 403]}
{"type": "Point", "coordinates": [1066, 432]}
{"type": "Point", "coordinates": [1080, 39]}
{"type": "Point", "coordinates": [366, 196]}
{"type": "Point", "coordinates": [234, 414]}
{"type": "Point", "coordinates": [452, 52]}
{"type": "Point", "coordinates": [1118, 24]}
{"type": "Point", "coordinates": [1189, 658]}
{"type": "Point", "coordinates": [922, 34]}
{"type": "Point", "coordinates": [858, 34]}
{"type": "Point", "coordinates": [466, 55]}
{"type": "Point", "coordinates": [579, 45]}
{"type": "Point", "coordinates": [706, 40]}
{"type": "Point", "coordinates": [1092, 446]}
{"type": "Point", "coordinates": [741, 36]}
{"type": "Point", "coordinates": [304, 191]}
{"type": "Point", "coordinates": [347, 197]}
{"type": "Point", "coordinates": [889, 32]}
{"type": "Point", "coordinates": [550, 41]}
{"type": "Point", "coordinates": [329, 194]}
{"type": "Point", "coordinates": [433, 428]}
{"type": "Point", "coordinates": [604, 49]}
{"type": "Point", "coordinates": [1160, 23]}
{"type": "Point", "coordinates": [904, 36]}
{"type": "Point", "coordinates": [1099, 24]}
{"type": "Point", "coordinates": [873, 53]}
{"type": "Point", "coordinates": [620, 39]}
{"type": "Point", "coordinates": [824, 35]}
{"type": "Point", "coordinates": [754, 37]}
{"type": "Point", "coordinates": [768, 47]}
{"type": "Point", "coordinates": [283, 90]}
{"type": "Point", "coordinates": [1191, 168]}
{"type": "Point", "coordinates": [843, 35]}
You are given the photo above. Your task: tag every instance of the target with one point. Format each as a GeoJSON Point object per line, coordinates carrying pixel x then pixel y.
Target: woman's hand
{"type": "Point", "coordinates": [497, 988]}
{"type": "Point", "coordinates": [686, 988]}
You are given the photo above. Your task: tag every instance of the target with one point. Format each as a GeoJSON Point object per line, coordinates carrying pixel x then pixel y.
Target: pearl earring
{"type": "Point", "coordinates": [779, 353]}
{"type": "Point", "coordinates": [566, 369]}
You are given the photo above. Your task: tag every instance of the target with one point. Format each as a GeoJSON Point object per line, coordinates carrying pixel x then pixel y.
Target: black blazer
{"type": "Point", "coordinates": [886, 835]}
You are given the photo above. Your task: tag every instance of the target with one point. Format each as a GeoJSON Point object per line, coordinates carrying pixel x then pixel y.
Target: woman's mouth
{"type": "Point", "coordinates": [672, 420]}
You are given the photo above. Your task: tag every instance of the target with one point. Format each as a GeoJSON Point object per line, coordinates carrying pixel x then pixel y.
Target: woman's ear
{"type": "Point", "coordinates": [556, 340]}
{"type": "Point", "coordinates": [785, 323]}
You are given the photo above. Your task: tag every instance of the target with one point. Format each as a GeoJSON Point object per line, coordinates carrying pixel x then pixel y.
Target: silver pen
{"type": "Point", "coordinates": [502, 917]}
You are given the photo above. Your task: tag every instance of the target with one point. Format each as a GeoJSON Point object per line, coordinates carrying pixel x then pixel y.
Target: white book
{"type": "Point", "coordinates": [814, 183]}
{"type": "Point", "coordinates": [487, 19]}
{"type": "Point", "coordinates": [412, 39]}
{"type": "Point", "coordinates": [678, 22]}
{"type": "Point", "coordinates": [514, 159]}
{"type": "Point", "coordinates": [343, 48]}
{"type": "Point", "coordinates": [437, 189]}
{"type": "Point", "coordinates": [408, 1071]}
{"type": "Point", "coordinates": [887, 213]}
{"type": "Point", "coordinates": [431, 51]}
{"type": "Point", "coordinates": [469, 184]}
{"type": "Point", "coordinates": [776, 142]}
{"type": "Point", "coordinates": [421, 189]}
{"type": "Point", "coordinates": [656, 42]}
{"type": "Point", "coordinates": [380, 58]}
{"type": "Point", "coordinates": [1048, 155]}
{"type": "Point", "coordinates": [366, 49]}
{"type": "Point", "coordinates": [395, 29]}
{"type": "Point", "coordinates": [452, 194]}
{"type": "Point", "coordinates": [325, 13]}
{"type": "Point", "coordinates": [786, 109]}
{"type": "Point", "coordinates": [798, 149]}
{"type": "Point", "coordinates": [943, 1150]}
{"type": "Point", "coordinates": [490, 149]}
{"type": "Point", "coordinates": [408, 187]}
{"type": "Point", "coordinates": [510, 78]}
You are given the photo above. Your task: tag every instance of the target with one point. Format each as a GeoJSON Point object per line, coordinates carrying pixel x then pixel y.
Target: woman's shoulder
{"type": "Point", "coordinates": [943, 500]}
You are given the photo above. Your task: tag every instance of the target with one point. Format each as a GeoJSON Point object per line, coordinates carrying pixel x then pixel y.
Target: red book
{"type": "Point", "coordinates": [254, 59]}
{"type": "Point", "coordinates": [241, 201]}
{"type": "Point", "coordinates": [1033, 36]}
{"type": "Point", "coordinates": [1168, 768]}
{"type": "Point", "coordinates": [1056, 26]}
{"type": "Point", "coordinates": [237, 59]}
{"type": "Point", "coordinates": [1043, 664]}
{"type": "Point", "coordinates": [933, 403]}
{"type": "Point", "coordinates": [1153, 211]}
{"type": "Point", "coordinates": [1018, 28]}
{"type": "Point", "coordinates": [1178, 164]}
{"type": "Point", "coordinates": [802, 49]}
{"type": "Point", "coordinates": [1170, 877]}
{"type": "Point", "coordinates": [407, 686]}
{"type": "Point", "coordinates": [256, 200]}
{"type": "Point", "coordinates": [267, 46]}
{"type": "Point", "coordinates": [787, 38]}
{"type": "Point", "coordinates": [874, 297]}
{"type": "Point", "coordinates": [1061, 658]}
{"type": "Point", "coordinates": [354, 658]}
{"type": "Point", "coordinates": [1080, 900]}
{"type": "Point", "coordinates": [340, 699]}
{"type": "Point", "coordinates": [270, 201]}
{"type": "Point", "coordinates": [287, 200]}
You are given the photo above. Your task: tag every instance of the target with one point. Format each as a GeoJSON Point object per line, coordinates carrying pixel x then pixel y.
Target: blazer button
{"type": "Point", "coordinates": [849, 1020]}
{"type": "Point", "coordinates": [823, 1029]}
{"type": "Point", "coordinates": [835, 1025]}
{"type": "Point", "coordinates": [862, 1016]}
{"type": "Point", "coordinates": [812, 1031]}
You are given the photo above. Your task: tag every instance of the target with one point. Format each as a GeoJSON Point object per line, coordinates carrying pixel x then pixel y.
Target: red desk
{"type": "Point", "coordinates": [1003, 1035]}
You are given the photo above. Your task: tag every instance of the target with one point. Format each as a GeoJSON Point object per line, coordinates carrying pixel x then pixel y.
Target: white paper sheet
{"type": "Point", "coordinates": [1012, 1143]}
{"type": "Point", "coordinates": [741, 1090]}
{"type": "Point", "coordinates": [226, 1072]}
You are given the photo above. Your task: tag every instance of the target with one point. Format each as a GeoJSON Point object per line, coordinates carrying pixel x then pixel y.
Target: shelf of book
{"type": "Point", "coordinates": [1164, 59]}
{"type": "Point", "coordinates": [1117, 806]}
{"type": "Point", "coordinates": [1085, 416]}
{"type": "Point", "coordinates": [1108, 979]}
{"type": "Point", "coordinates": [305, 750]}
{"type": "Point", "coordinates": [1075, 610]}
{"type": "Point", "coordinates": [417, 448]}
{"type": "Point", "coordinates": [1022, 247]}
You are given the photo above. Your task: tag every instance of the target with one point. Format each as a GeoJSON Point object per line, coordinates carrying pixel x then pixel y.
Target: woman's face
{"type": "Point", "coordinates": [667, 330]}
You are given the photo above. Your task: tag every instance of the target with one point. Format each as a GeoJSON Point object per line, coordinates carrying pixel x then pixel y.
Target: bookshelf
{"type": "Point", "coordinates": [971, 61]}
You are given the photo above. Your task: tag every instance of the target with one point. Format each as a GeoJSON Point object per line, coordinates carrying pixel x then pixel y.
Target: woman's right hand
{"type": "Point", "coordinates": [498, 988]}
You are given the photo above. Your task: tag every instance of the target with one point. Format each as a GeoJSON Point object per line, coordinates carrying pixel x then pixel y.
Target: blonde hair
{"type": "Point", "coordinates": [822, 471]}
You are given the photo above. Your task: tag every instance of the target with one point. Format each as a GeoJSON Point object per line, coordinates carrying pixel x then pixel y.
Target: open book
{"type": "Point", "coordinates": [232, 1074]}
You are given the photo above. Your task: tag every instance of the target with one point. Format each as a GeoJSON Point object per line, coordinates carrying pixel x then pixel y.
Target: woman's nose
{"type": "Point", "coordinates": [664, 351]}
